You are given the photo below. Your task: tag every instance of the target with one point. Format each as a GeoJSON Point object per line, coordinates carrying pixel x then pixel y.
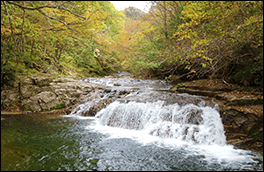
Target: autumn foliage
{"type": "Point", "coordinates": [57, 37]}
{"type": "Point", "coordinates": [201, 39]}
{"type": "Point", "coordinates": [184, 39]}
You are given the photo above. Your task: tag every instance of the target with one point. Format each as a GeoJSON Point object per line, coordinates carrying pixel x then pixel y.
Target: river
{"type": "Point", "coordinates": [144, 127]}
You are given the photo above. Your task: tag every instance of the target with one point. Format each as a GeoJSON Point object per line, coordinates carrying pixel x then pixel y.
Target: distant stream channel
{"type": "Point", "coordinates": [148, 128]}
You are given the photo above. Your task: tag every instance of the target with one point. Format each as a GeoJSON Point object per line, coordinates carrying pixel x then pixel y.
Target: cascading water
{"type": "Point", "coordinates": [199, 125]}
{"type": "Point", "coordinates": [185, 126]}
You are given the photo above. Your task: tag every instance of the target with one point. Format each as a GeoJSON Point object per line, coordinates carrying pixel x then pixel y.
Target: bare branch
{"type": "Point", "coordinates": [47, 6]}
{"type": "Point", "coordinates": [9, 19]}
{"type": "Point", "coordinates": [23, 7]}
{"type": "Point", "coordinates": [58, 7]}
{"type": "Point", "coordinates": [30, 8]}
{"type": "Point", "coordinates": [48, 20]}
{"type": "Point", "coordinates": [56, 19]}
{"type": "Point", "coordinates": [74, 13]}
{"type": "Point", "coordinates": [53, 29]}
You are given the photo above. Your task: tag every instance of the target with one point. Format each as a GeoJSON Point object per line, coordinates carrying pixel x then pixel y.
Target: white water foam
{"type": "Point", "coordinates": [199, 125]}
{"type": "Point", "coordinates": [171, 126]}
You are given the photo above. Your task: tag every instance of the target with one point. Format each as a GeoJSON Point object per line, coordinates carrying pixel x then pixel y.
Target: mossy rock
{"type": "Point", "coordinates": [176, 87]}
{"type": "Point", "coordinates": [61, 105]}
{"type": "Point", "coordinates": [243, 102]}
{"type": "Point", "coordinates": [41, 81]}
{"type": "Point", "coordinates": [196, 92]}
{"type": "Point", "coordinates": [182, 85]}
{"type": "Point", "coordinates": [256, 132]}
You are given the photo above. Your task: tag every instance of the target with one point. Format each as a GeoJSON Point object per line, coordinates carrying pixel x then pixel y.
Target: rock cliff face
{"type": "Point", "coordinates": [40, 94]}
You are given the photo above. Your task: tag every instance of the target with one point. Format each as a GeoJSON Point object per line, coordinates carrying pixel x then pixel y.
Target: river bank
{"type": "Point", "coordinates": [241, 108]}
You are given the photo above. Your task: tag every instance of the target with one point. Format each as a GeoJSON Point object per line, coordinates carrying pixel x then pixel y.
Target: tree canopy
{"type": "Point", "coordinates": [188, 39]}
{"type": "Point", "coordinates": [57, 36]}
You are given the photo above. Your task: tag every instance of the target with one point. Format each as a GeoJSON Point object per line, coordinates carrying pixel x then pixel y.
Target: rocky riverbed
{"type": "Point", "coordinates": [241, 109]}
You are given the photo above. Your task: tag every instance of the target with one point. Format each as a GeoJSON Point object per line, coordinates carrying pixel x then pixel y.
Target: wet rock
{"type": "Point", "coordinates": [108, 90]}
{"type": "Point", "coordinates": [90, 112]}
{"type": "Point", "coordinates": [240, 120]}
{"type": "Point", "coordinates": [239, 142]}
{"type": "Point", "coordinates": [117, 84]}
{"type": "Point", "coordinates": [197, 92]}
{"type": "Point", "coordinates": [124, 92]}
{"type": "Point", "coordinates": [114, 121]}
{"type": "Point", "coordinates": [121, 96]}
{"type": "Point", "coordinates": [194, 116]}
{"type": "Point", "coordinates": [242, 129]}
{"type": "Point", "coordinates": [227, 117]}
{"type": "Point", "coordinates": [167, 117]}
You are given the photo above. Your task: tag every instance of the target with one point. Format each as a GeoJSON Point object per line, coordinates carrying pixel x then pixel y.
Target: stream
{"type": "Point", "coordinates": [143, 127]}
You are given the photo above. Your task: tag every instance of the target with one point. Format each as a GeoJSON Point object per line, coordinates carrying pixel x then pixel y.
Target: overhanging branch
{"type": "Point", "coordinates": [49, 16]}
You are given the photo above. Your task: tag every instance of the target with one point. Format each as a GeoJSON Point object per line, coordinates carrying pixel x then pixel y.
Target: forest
{"type": "Point", "coordinates": [176, 40]}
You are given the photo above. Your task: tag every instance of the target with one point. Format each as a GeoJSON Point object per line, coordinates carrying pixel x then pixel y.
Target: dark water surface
{"type": "Point", "coordinates": [56, 143]}
{"type": "Point", "coordinates": [44, 142]}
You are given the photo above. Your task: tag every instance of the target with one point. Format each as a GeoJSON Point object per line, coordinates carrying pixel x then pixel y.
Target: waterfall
{"type": "Point", "coordinates": [191, 123]}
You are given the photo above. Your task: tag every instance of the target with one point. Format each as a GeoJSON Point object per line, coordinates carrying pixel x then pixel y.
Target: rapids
{"type": "Point", "coordinates": [153, 129]}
